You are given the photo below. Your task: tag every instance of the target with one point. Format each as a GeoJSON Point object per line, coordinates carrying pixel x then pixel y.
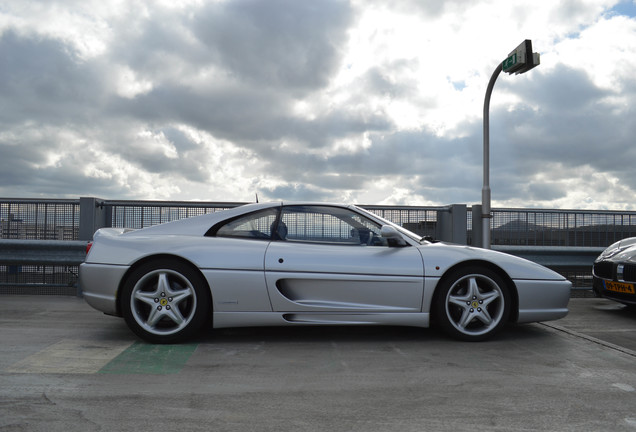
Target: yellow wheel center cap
{"type": "Point", "coordinates": [163, 302]}
{"type": "Point", "coordinates": [475, 304]}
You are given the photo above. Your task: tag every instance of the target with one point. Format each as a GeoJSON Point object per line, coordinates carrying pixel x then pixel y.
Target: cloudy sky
{"type": "Point", "coordinates": [362, 101]}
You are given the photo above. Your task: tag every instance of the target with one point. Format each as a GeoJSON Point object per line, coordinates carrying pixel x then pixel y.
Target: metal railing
{"type": "Point", "coordinates": [141, 214]}
{"type": "Point", "coordinates": [573, 228]}
{"type": "Point", "coordinates": [41, 219]}
{"type": "Point", "coordinates": [536, 234]}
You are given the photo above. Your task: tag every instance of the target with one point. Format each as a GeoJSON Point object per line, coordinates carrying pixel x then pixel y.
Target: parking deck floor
{"type": "Point", "coordinates": [66, 367]}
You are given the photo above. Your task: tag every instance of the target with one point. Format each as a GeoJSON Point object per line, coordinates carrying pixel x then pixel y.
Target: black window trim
{"type": "Point", "coordinates": [212, 232]}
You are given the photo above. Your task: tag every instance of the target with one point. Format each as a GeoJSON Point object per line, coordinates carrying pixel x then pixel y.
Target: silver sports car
{"type": "Point", "coordinates": [274, 264]}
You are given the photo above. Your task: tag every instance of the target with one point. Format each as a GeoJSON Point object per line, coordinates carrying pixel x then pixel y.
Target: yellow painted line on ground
{"type": "Point", "coordinates": [70, 356]}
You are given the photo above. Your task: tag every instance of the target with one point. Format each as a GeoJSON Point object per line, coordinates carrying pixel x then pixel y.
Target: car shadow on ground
{"type": "Point", "coordinates": [616, 309]}
{"type": "Point", "coordinates": [116, 328]}
{"type": "Point", "coordinates": [351, 334]}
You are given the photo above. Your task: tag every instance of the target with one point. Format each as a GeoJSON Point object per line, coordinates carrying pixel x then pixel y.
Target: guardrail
{"type": "Point", "coordinates": [39, 243]}
{"type": "Point", "coordinates": [30, 263]}
{"type": "Point", "coordinates": [555, 256]}
{"type": "Point", "coordinates": [42, 252]}
{"type": "Point", "coordinates": [41, 266]}
{"type": "Point", "coordinates": [574, 263]}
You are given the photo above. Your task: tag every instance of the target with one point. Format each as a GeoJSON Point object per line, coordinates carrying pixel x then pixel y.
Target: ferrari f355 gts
{"type": "Point", "coordinates": [291, 264]}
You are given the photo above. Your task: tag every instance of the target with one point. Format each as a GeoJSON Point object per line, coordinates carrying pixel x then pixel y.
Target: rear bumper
{"type": "Point", "coordinates": [100, 284]}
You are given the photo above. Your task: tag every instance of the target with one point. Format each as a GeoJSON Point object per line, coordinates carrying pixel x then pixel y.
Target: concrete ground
{"type": "Point", "coordinates": [66, 367]}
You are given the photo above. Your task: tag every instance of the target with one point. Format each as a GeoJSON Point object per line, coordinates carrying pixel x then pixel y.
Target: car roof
{"type": "Point", "coordinates": [199, 225]}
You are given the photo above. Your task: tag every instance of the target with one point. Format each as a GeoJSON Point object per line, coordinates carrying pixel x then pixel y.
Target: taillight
{"type": "Point", "coordinates": [88, 247]}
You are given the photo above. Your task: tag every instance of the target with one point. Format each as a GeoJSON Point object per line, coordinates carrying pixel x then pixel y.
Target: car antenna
{"type": "Point", "coordinates": [257, 197]}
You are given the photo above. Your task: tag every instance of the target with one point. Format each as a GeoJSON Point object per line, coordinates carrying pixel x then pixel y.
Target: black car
{"type": "Point", "coordinates": [614, 272]}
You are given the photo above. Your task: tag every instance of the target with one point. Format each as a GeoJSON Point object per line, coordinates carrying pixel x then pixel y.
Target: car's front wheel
{"type": "Point", "coordinates": [472, 304]}
{"type": "Point", "coordinates": [165, 301]}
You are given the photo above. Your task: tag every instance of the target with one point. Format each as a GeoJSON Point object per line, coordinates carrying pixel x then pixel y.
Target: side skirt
{"type": "Point", "coordinates": [258, 319]}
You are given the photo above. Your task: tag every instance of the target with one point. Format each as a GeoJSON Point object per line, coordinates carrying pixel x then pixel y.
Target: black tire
{"type": "Point", "coordinates": [165, 301]}
{"type": "Point", "coordinates": [472, 304]}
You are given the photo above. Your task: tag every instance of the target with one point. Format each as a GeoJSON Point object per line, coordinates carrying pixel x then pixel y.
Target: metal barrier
{"type": "Point", "coordinates": [549, 227]}
{"type": "Point", "coordinates": [565, 240]}
{"type": "Point", "coordinates": [29, 265]}
{"type": "Point", "coordinates": [67, 219]}
{"type": "Point", "coordinates": [555, 256]}
{"type": "Point", "coordinates": [42, 252]}
{"type": "Point", "coordinates": [574, 263]}
{"type": "Point", "coordinates": [40, 266]}
{"type": "Point", "coordinates": [41, 219]}
{"type": "Point", "coordinates": [141, 214]}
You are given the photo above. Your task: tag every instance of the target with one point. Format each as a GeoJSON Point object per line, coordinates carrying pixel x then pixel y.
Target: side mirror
{"type": "Point", "coordinates": [392, 235]}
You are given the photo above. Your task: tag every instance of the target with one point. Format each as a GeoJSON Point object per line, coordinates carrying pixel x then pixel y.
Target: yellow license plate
{"type": "Point", "coordinates": [620, 287]}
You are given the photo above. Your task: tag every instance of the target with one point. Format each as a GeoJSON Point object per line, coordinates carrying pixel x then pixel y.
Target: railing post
{"type": "Point", "coordinates": [451, 224]}
{"type": "Point", "coordinates": [93, 216]}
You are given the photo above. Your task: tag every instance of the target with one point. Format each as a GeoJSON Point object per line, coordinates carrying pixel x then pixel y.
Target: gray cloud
{"type": "Point", "coordinates": [235, 72]}
{"type": "Point", "coordinates": [45, 81]}
{"type": "Point", "coordinates": [286, 44]}
{"type": "Point", "coordinates": [574, 125]}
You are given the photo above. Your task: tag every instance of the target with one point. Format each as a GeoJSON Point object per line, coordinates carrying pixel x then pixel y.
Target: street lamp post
{"type": "Point", "coordinates": [519, 61]}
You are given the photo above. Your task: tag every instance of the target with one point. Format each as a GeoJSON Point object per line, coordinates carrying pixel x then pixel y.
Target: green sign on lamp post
{"type": "Point", "coordinates": [510, 62]}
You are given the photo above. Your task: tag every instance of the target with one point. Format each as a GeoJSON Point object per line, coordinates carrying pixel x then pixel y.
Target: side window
{"type": "Point", "coordinates": [332, 225]}
{"type": "Point", "coordinates": [257, 225]}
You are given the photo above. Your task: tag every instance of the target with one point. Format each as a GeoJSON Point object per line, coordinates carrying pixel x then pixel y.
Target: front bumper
{"type": "Point", "coordinates": [614, 271]}
{"type": "Point", "coordinates": [601, 291]}
{"type": "Point", "coordinates": [542, 300]}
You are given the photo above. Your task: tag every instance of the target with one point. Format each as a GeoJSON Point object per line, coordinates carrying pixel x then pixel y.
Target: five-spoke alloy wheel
{"type": "Point", "coordinates": [472, 303]}
{"type": "Point", "coordinates": [165, 301]}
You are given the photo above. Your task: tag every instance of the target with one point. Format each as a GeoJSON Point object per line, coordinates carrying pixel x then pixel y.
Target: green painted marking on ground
{"type": "Point", "coordinates": [143, 358]}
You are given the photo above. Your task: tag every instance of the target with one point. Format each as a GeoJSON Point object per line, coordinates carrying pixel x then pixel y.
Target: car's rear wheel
{"type": "Point", "coordinates": [165, 301]}
{"type": "Point", "coordinates": [472, 304]}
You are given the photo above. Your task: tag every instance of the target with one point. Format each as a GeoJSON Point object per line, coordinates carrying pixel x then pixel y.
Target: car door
{"type": "Point", "coordinates": [334, 259]}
